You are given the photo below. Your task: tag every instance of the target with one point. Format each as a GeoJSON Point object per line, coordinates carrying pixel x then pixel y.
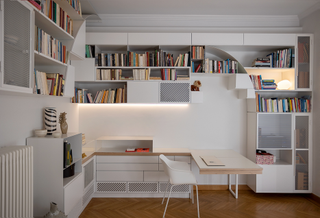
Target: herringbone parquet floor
{"type": "Point", "coordinates": [213, 204]}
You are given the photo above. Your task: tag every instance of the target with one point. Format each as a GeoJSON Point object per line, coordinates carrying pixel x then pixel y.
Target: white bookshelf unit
{"type": "Point", "coordinates": [281, 131]}
{"type": "Point", "coordinates": [48, 173]}
{"type": "Point", "coordinates": [19, 65]}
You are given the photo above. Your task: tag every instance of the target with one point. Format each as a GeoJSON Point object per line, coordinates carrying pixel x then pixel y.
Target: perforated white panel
{"type": "Point", "coordinates": [88, 173]}
{"type": "Point", "coordinates": [111, 187]}
{"type": "Point", "coordinates": [174, 92]}
{"type": "Point", "coordinates": [175, 189]}
{"type": "Point", "coordinates": [16, 44]}
{"type": "Point", "coordinates": [88, 194]}
{"type": "Point", "coordinates": [143, 187]}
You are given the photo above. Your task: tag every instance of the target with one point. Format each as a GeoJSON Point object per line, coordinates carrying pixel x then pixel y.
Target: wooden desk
{"type": "Point", "coordinates": [234, 162]}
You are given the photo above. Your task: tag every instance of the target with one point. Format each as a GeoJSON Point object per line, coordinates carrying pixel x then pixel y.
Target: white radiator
{"type": "Point", "coordinates": [16, 182]}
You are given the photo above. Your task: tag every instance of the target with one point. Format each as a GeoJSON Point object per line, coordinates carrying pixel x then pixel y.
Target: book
{"type": "Point", "coordinates": [36, 4]}
{"type": "Point", "coordinates": [142, 149]}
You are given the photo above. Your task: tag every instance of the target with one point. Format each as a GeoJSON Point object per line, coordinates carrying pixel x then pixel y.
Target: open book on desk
{"type": "Point", "coordinates": [211, 161]}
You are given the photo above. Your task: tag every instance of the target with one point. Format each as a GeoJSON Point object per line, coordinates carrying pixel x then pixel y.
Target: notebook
{"type": "Point", "coordinates": [211, 161]}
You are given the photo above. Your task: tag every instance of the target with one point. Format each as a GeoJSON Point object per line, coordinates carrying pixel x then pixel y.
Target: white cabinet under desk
{"type": "Point", "coordinates": [132, 174]}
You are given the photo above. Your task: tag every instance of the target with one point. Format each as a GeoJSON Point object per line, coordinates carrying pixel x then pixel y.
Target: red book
{"type": "Point", "coordinates": [198, 67]}
{"type": "Point", "coordinates": [35, 4]}
{"type": "Point", "coordinates": [142, 149]}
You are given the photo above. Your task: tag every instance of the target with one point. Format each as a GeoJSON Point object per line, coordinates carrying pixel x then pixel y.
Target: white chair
{"type": "Point", "coordinates": [179, 173]}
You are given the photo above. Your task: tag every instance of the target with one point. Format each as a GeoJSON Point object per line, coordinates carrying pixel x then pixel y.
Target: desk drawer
{"type": "Point", "coordinates": [119, 176]}
{"type": "Point", "coordinates": [155, 176]}
{"type": "Point", "coordinates": [186, 159]}
{"type": "Point", "coordinates": [126, 166]}
{"type": "Point", "coordinates": [127, 159]}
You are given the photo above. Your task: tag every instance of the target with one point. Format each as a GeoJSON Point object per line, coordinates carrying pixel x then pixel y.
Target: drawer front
{"type": "Point", "coordinates": [186, 159]}
{"type": "Point", "coordinates": [73, 194]}
{"type": "Point", "coordinates": [115, 176]}
{"type": "Point", "coordinates": [127, 159]}
{"type": "Point", "coordinates": [107, 166]}
{"type": "Point", "coordinates": [269, 39]}
{"type": "Point", "coordinates": [155, 176]}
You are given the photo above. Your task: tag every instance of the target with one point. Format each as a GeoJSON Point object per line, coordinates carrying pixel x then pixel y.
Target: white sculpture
{"type": "Point", "coordinates": [54, 212]}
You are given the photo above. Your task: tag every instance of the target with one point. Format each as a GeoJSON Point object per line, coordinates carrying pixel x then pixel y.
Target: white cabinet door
{"type": "Point", "coordinates": [73, 193]}
{"type": "Point", "coordinates": [159, 38]}
{"type": "Point", "coordinates": [84, 69]}
{"type": "Point", "coordinates": [143, 92]}
{"type": "Point", "coordinates": [119, 176]}
{"type": "Point", "coordinates": [106, 38]}
{"type": "Point", "coordinates": [217, 38]}
{"type": "Point", "coordinates": [269, 39]}
{"type": "Point", "coordinates": [276, 178]}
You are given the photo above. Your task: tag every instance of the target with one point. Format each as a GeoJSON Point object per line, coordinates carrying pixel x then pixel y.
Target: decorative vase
{"type": "Point", "coordinates": [50, 119]}
{"type": "Point", "coordinates": [54, 212]}
{"type": "Point", "coordinates": [63, 123]}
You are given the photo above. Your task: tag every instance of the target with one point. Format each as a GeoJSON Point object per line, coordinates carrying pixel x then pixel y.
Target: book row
{"type": "Point", "coordinates": [280, 105]}
{"type": "Point", "coordinates": [265, 84]}
{"type": "Point", "coordinates": [215, 66]}
{"type": "Point", "coordinates": [49, 46]}
{"type": "Point", "coordinates": [157, 58]}
{"type": "Point", "coordinates": [55, 13]}
{"type": "Point", "coordinates": [48, 83]}
{"type": "Point", "coordinates": [139, 74]}
{"type": "Point", "coordinates": [118, 95]}
{"type": "Point", "coordinates": [197, 52]}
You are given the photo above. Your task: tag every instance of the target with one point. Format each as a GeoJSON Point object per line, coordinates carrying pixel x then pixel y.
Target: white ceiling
{"type": "Point", "coordinates": [201, 15]}
{"type": "Point", "coordinates": [201, 7]}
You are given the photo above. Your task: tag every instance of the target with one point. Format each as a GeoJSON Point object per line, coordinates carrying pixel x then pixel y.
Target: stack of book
{"type": "Point", "coordinates": [48, 83]}
{"type": "Point", "coordinates": [261, 62]}
{"type": "Point", "coordinates": [256, 81]}
{"type": "Point", "coordinates": [117, 95]}
{"type": "Point", "coordinates": [282, 58]}
{"type": "Point", "coordinates": [55, 13]}
{"type": "Point", "coordinates": [282, 105]}
{"type": "Point", "coordinates": [90, 51]}
{"type": "Point", "coordinates": [108, 74]}
{"type": "Point", "coordinates": [49, 46]}
{"type": "Point", "coordinates": [268, 84]}
{"type": "Point", "coordinates": [198, 52]}
{"type": "Point", "coordinates": [214, 66]}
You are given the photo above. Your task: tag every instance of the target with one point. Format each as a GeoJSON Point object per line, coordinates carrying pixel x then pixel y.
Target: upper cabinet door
{"type": "Point", "coordinates": [304, 54]}
{"type": "Point", "coordinates": [106, 38]}
{"type": "Point", "coordinates": [159, 38]}
{"type": "Point", "coordinates": [217, 38]}
{"type": "Point", "coordinates": [17, 53]}
{"type": "Point", "coordinates": [266, 39]}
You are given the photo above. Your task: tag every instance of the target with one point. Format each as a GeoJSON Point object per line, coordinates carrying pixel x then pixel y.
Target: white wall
{"type": "Point", "coordinates": [219, 122]}
{"type": "Point", "coordinates": [311, 24]}
{"type": "Point", "coordinates": [21, 114]}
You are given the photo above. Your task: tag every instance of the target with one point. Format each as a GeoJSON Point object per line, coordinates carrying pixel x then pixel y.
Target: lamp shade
{"type": "Point", "coordinates": [284, 84]}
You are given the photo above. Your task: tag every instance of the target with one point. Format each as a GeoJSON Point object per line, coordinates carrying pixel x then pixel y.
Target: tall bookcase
{"type": "Point", "coordinates": [285, 130]}
{"type": "Point", "coordinates": [21, 57]}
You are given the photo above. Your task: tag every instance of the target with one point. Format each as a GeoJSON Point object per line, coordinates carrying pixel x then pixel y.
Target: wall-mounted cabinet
{"type": "Point", "coordinates": [40, 65]}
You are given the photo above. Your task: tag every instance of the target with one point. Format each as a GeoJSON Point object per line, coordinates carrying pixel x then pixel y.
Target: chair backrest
{"type": "Point", "coordinates": [165, 161]}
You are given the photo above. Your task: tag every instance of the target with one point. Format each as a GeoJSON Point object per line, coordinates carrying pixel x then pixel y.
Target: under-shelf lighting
{"type": "Point", "coordinates": [135, 105]}
{"type": "Point", "coordinates": [284, 85]}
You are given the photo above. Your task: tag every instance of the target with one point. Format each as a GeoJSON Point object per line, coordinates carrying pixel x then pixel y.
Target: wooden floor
{"type": "Point", "coordinates": [212, 204]}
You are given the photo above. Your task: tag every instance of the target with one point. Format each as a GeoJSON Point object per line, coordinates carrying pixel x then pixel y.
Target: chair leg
{"type": "Point", "coordinates": [197, 201]}
{"type": "Point", "coordinates": [164, 195]}
{"type": "Point", "coordinates": [164, 213]}
{"type": "Point", "coordinates": [192, 194]}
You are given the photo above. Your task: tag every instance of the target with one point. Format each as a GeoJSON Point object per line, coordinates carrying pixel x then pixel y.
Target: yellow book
{"type": "Point", "coordinates": [104, 94]}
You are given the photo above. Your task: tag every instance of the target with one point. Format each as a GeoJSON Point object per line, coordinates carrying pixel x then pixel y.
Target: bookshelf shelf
{"type": "Point", "coordinates": [41, 59]}
{"type": "Point", "coordinates": [51, 27]}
